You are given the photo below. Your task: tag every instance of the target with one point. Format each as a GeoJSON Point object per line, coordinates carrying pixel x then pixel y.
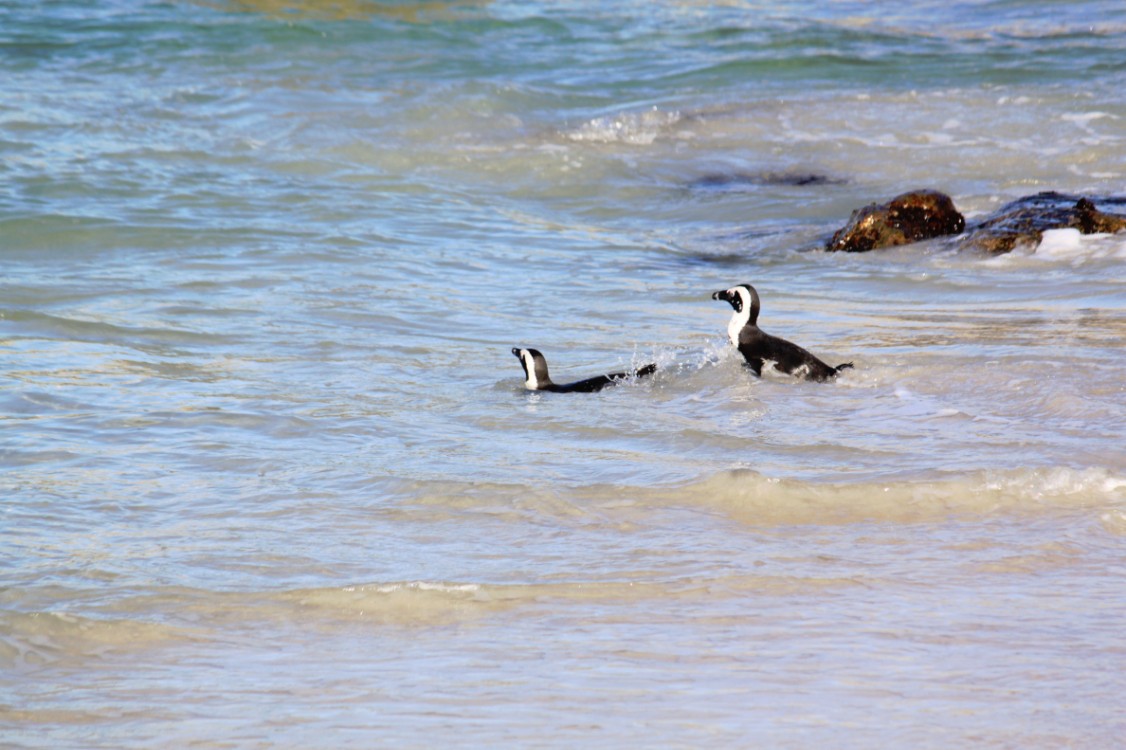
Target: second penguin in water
{"type": "Point", "coordinates": [759, 347]}
{"type": "Point", "coordinates": [537, 379]}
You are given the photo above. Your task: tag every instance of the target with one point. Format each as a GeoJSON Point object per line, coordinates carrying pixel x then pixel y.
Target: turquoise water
{"type": "Point", "coordinates": [269, 474]}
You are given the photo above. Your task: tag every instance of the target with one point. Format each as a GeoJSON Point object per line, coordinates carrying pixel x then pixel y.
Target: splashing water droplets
{"type": "Point", "coordinates": [635, 128]}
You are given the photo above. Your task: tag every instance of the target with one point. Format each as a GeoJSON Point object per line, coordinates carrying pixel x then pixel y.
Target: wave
{"type": "Point", "coordinates": [759, 500]}
{"type": "Point", "coordinates": [34, 639]}
{"type": "Point", "coordinates": [755, 500]}
{"type": "Point", "coordinates": [38, 628]}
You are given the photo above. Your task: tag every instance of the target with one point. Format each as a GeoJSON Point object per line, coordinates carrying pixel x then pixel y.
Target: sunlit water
{"type": "Point", "coordinates": [269, 474]}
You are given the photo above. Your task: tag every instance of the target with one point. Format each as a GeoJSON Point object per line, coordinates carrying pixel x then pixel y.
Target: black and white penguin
{"type": "Point", "coordinates": [537, 379]}
{"type": "Point", "coordinates": [759, 347]}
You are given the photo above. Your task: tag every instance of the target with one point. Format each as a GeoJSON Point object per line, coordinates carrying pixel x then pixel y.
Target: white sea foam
{"type": "Point", "coordinates": [1065, 246]}
{"type": "Point", "coordinates": [1084, 119]}
{"type": "Point", "coordinates": [1068, 245]}
{"type": "Point", "coordinates": [1061, 244]}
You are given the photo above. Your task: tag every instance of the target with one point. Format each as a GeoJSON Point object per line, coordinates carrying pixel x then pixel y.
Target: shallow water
{"type": "Point", "coordinates": [270, 476]}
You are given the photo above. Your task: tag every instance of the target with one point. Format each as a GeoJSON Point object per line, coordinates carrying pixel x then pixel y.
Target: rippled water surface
{"type": "Point", "coordinates": [269, 474]}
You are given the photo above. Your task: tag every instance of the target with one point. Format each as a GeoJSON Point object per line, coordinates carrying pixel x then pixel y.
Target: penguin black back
{"type": "Point", "coordinates": [759, 347]}
{"type": "Point", "coordinates": [536, 377]}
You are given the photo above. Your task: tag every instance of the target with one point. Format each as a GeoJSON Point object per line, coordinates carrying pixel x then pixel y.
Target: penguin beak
{"type": "Point", "coordinates": [721, 294]}
{"type": "Point", "coordinates": [516, 352]}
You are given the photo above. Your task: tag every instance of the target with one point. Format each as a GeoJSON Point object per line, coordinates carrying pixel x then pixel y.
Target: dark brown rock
{"type": "Point", "coordinates": [1025, 220]}
{"type": "Point", "coordinates": [911, 217]}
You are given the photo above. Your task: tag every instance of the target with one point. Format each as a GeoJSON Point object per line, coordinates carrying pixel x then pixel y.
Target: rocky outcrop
{"type": "Point", "coordinates": [907, 218]}
{"type": "Point", "coordinates": [1025, 220]}
{"type": "Point", "coordinates": [924, 214]}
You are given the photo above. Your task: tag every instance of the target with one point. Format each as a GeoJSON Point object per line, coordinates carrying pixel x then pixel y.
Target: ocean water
{"type": "Point", "coordinates": [268, 474]}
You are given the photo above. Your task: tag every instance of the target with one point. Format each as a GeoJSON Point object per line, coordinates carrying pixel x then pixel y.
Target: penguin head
{"type": "Point", "coordinates": [740, 297]}
{"type": "Point", "coordinates": [535, 368]}
{"type": "Point", "coordinates": [744, 300]}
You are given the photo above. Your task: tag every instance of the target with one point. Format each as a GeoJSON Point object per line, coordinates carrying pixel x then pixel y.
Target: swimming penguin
{"type": "Point", "coordinates": [537, 379]}
{"type": "Point", "coordinates": [759, 347]}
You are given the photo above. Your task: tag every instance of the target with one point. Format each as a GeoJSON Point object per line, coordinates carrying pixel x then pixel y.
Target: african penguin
{"type": "Point", "coordinates": [759, 347]}
{"type": "Point", "coordinates": [537, 379]}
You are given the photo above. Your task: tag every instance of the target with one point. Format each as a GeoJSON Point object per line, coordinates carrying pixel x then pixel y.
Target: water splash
{"type": "Point", "coordinates": [634, 128]}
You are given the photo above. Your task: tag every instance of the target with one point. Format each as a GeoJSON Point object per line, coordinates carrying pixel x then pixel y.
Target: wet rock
{"type": "Point", "coordinates": [907, 218]}
{"type": "Point", "coordinates": [1025, 220]}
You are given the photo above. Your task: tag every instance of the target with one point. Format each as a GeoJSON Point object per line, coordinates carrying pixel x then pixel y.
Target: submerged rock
{"type": "Point", "coordinates": [736, 180]}
{"type": "Point", "coordinates": [1025, 220]}
{"type": "Point", "coordinates": [907, 218]}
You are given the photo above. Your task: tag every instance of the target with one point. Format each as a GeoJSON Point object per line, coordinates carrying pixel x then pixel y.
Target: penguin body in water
{"type": "Point", "coordinates": [759, 347]}
{"type": "Point", "coordinates": [536, 377]}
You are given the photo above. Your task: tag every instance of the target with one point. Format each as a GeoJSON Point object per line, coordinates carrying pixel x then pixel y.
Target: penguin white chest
{"type": "Point", "coordinates": [738, 320]}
